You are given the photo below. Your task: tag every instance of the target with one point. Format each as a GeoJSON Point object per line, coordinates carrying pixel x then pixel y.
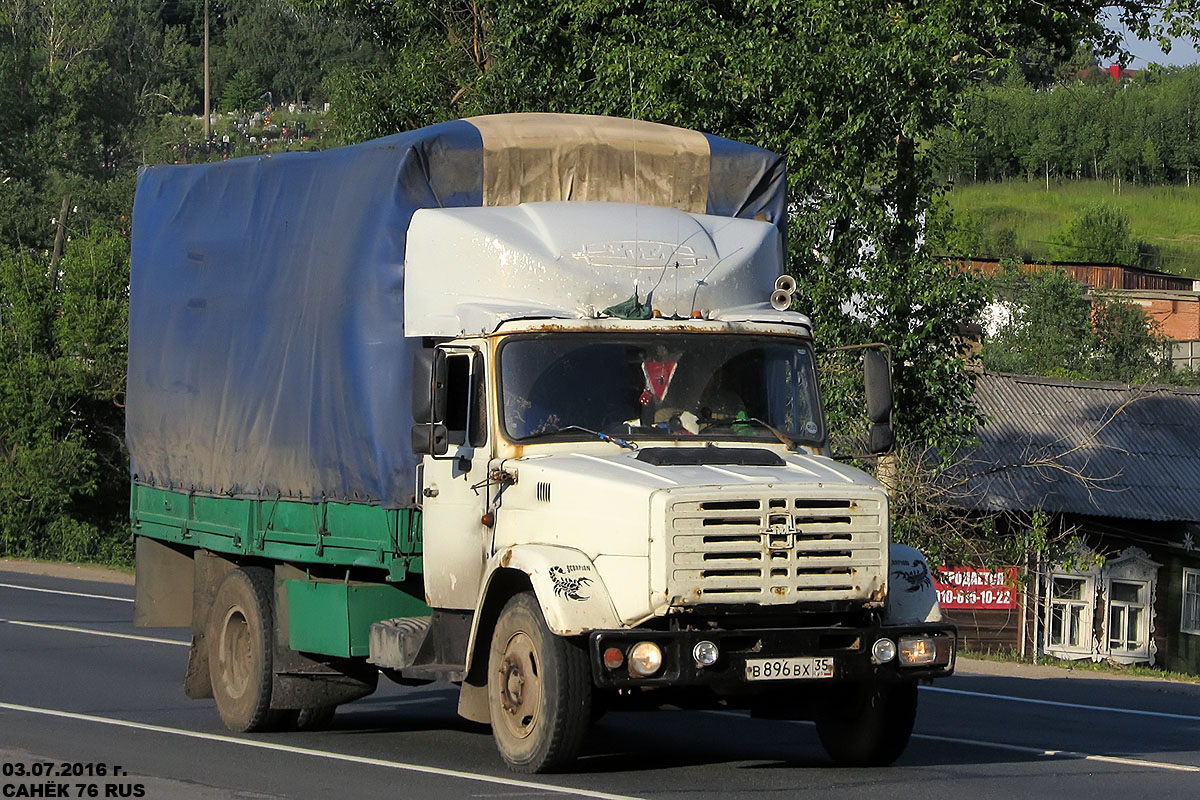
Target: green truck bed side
{"type": "Point", "coordinates": [326, 533]}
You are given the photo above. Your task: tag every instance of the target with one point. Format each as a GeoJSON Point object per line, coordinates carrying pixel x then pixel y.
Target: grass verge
{"type": "Point", "coordinates": [1106, 667]}
{"type": "Point", "coordinates": [1167, 217]}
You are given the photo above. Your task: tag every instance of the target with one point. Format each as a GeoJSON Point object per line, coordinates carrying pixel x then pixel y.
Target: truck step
{"type": "Point", "coordinates": [395, 643]}
{"type": "Point", "coordinates": [448, 673]}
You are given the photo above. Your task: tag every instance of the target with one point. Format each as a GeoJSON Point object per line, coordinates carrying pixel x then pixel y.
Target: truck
{"type": "Point", "coordinates": [519, 403]}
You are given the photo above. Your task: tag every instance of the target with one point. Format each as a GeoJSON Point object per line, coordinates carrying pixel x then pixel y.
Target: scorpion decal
{"type": "Point", "coordinates": [918, 577]}
{"type": "Point", "coordinates": [566, 586]}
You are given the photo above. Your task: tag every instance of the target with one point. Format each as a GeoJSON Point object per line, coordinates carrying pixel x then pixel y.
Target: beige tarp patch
{"type": "Point", "coordinates": [537, 157]}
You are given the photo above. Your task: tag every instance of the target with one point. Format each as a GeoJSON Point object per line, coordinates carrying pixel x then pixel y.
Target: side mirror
{"type": "Point", "coordinates": [877, 378]}
{"type": "Point", "coordinates": [881, 439]}
{"type": "Point", "coordinates": [429, 386]}
{"type": "Point", "coordinates": [430, 438]}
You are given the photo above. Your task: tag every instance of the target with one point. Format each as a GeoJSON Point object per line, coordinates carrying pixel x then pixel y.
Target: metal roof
{"type": "Point", "coordinates": [1078, 447]}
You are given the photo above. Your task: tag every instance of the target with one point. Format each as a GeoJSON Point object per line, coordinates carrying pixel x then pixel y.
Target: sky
{"type": "Point", "coordinates": [1182, 52]}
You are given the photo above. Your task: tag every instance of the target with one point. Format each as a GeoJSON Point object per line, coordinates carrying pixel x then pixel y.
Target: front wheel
{"type": "Point", "coordinates": [868, 725]}
{"type": "Point", "coordinates": [539, 690]}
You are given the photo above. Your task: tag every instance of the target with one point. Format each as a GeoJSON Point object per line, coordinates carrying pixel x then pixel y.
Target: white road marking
{"type": "Point", "coordinates": [1060, 704]}
{"type": "Point", "coordinates": [305, 751]}
{"type": "Point", "coordinates": [1037, 751]}
{"type": "Point", "coordinates": [60, 591]}
{"type": "Point", "coordinates": [111, 634]}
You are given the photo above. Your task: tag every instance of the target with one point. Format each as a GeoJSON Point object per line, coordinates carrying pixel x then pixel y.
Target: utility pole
{"type": "Point", "coordinates": [60, 240]}
{"type": "Point", "coordinates": [207, 122]}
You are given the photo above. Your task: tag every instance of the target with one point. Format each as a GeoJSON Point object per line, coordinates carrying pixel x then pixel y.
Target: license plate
{"type": "Point", "coordinates": [779, 669]}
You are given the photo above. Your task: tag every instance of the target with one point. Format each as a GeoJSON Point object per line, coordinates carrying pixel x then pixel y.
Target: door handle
{"type": "Point", "coordinates": [429, 491]}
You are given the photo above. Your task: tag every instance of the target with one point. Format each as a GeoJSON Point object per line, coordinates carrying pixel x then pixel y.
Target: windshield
{"type": "Point", "coordinates": [659, 385]}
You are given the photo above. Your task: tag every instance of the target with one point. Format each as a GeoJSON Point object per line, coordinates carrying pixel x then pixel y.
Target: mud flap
{"type": "Point", "coordinates": [196, 683]}
{"type": "Point", "coordinates": [473, 703]}
{"type": "Point", "coordinates": [210, 570]}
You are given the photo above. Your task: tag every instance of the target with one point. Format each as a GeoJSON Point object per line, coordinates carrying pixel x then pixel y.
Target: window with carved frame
{"type": "Point", "coordinates": [1190, 618]}
{"type": "Point", "coordinates": [1070, 619]}
{"type": "Point", "coordinates": [1128, 629]}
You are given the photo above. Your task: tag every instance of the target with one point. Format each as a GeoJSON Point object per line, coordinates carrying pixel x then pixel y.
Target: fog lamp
{"type": "Point", "coordinates": [883, 651]}
{"type": "Point", "coordinates": [705, 653]}
{"type": "Point", "coordinates": [645, 659]}
{"type": "Point", "coordinates": [613, 658]}
{"type": "Point", "coordinates": [917, 651]}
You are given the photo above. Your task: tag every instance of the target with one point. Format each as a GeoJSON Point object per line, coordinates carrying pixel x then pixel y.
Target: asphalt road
{"type": "Point", "coordinates": [84, 692]}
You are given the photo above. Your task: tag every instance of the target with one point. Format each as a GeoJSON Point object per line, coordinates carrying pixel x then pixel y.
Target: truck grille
{"type": "Point", "coordinates": [776, 548]}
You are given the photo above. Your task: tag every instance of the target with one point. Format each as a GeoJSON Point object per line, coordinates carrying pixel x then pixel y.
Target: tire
{"type": "Point", "coordinates": [240, 631]}
{"type": "Point", "coordinates": [539, 690]}
{"type": "Point", "coordinates": [868, 725]}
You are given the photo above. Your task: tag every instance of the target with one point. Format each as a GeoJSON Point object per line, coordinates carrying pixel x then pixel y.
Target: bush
{"type": "Point", "coordinates": [63, 469]}
{"type": "Point", "coordinates": [1101, 235]}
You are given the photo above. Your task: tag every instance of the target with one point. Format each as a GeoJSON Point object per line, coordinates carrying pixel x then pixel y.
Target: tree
{"type": "Point", "coordinates": [1045, 328]}
{"type": "Point", "coordinates": [1152, 162]}
{"type": "Point", "coordinates": [77, 78]}
{"type": "Point", "coordinates": [1130, 347]}
{"type": "Point", "coordinates": [1051, 327]}
{"type": "Point", "coordinates": [241, 92]}
{"type": "Point", "coordinates": [288, 51]}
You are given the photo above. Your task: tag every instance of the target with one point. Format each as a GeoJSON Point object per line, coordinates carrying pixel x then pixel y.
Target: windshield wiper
{"type": "Point", "coordinates": [778, 433]}
{"type": "Point", "coordinates": [604, 437]}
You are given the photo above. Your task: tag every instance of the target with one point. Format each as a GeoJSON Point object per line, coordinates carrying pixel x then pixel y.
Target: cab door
{"type": "Point", "coordinates": [452, 487]}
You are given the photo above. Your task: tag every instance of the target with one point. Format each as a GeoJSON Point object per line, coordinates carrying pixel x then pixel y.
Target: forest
{"type": "Point", "coordinates": [873, 103]}
{"type": "Point", "coordinates": [1142, 129]}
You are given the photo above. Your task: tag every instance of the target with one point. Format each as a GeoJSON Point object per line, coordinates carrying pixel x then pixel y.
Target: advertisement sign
{"type": "Point", "coordinates": [970, 587]}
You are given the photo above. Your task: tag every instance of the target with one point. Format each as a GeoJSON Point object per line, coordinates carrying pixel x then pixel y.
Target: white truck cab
{"type": "Point", "coordinates": [626, 473]}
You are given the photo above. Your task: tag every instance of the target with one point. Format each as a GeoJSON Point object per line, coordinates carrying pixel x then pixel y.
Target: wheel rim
{"type": "Point", "coordinates": [520, 683]}
{"type": "Point", "coordinates": [233, 653]}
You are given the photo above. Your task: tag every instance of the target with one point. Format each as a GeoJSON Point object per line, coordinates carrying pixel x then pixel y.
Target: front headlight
{"type": "Point", "coordinates": [645, 659]}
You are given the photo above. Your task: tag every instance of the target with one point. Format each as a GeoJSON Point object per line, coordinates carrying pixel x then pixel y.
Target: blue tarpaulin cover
{"type": "Point", "coordinates": [267, 353]}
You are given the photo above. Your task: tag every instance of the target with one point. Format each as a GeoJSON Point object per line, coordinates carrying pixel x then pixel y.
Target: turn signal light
{"type": "Point", "coordinates": [613, 658]}
{"type": "Point", "coordinates": [916, 651]}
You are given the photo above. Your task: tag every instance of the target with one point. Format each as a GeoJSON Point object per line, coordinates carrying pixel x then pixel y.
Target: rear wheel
{"type": "Point", "coordinates": [239, 635]}
{"type": "Point", "coordinates": [868, 725]}
{"type": "Point", "coordinates": [539, 690]}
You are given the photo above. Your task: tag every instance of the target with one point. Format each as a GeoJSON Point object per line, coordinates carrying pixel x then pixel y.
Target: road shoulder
{"type": "Point", "coordinates": [79, 572]}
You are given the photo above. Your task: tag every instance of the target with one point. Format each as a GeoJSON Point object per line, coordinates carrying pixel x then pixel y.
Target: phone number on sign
{"type": "Point", "coordinates": [977, 598]}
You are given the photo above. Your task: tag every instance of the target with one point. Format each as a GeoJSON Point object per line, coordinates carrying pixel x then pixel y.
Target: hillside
{"type": "Point", "coordinates": [1167, 217]}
